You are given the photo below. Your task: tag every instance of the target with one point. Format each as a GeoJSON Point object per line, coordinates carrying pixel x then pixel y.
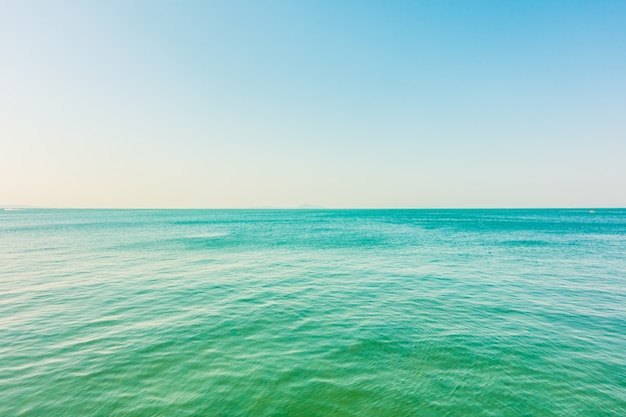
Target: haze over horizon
{"type": "Point", "coordinates": [340, 104]}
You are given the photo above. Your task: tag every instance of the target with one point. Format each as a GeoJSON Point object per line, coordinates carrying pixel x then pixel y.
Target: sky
{"type": "Point", "coordinates": [224, 104]}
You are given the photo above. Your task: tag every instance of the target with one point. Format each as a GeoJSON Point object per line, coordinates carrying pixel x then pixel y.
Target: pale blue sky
{"type": "Point", "coordinates": [341, 104]}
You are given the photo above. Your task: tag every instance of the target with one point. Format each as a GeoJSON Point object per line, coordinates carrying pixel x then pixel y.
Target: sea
{"type": "Point", "coordinates": [313, 312]}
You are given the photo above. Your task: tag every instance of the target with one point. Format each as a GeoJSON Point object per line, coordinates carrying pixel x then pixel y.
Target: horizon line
{"type": "Point", "coordinates": [23, 207]}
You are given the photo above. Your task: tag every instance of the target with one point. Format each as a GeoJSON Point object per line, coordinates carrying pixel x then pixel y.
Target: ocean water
{"type": "Point", "coordinates": [313, 313]}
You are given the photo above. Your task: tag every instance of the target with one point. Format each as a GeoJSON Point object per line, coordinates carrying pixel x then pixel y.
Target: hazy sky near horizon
{"type": "Point", "coordinates": [336, 103]}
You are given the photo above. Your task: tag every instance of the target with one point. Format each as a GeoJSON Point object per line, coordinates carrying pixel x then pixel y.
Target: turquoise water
{"type": "Point", "coordinates": [313, 313]}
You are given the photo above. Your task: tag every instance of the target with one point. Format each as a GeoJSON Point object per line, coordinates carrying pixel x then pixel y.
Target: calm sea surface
{"type": "Point", "coordinates": [313, 313]}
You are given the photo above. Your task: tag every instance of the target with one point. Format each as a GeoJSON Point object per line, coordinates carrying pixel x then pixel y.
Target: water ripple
{"type": "Point", "coordinates": [313, 313]}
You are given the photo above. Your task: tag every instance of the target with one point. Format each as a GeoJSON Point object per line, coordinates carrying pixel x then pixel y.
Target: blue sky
{"type": "Point", "coordinates": [341, 104]}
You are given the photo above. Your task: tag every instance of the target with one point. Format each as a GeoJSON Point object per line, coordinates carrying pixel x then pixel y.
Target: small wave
{"type": "Point", "coordinates": [525, 243]}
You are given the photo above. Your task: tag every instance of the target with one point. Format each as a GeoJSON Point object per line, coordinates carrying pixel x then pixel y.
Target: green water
{"type": "Point", "coordinates": [313, 313]}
